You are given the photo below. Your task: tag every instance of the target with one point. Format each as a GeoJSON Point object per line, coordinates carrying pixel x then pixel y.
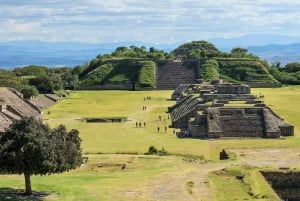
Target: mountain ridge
{"type": "Point", "coordinates": [284, 49]}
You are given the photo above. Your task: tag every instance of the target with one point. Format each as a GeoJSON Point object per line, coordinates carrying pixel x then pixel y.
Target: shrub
{"type": "Point", "coordinates": [154, 151]}
{"type": "Point", "coordinates": [29, 91]}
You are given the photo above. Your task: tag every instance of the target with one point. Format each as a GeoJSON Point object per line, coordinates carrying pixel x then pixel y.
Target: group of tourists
{"type": "Point", "coordinates": [147, 98]}
{"type": "Point", "coordinates": [143, 124]}
{"type": "Point", "coordinates": [139, 124]}
{"type": "Point", "coordinates": [158, 129]}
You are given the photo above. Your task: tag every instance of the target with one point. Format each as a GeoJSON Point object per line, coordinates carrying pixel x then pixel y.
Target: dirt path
{"type": "Point", "coordinates": [189, 184]}
{"type": "Point", "coordinates": [268, 157]}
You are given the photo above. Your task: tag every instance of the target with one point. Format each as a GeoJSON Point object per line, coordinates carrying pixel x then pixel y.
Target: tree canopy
{"type": "Point", "coordinates": [30, 147]}
{"type": "Point", "coordinates": [196, 50]}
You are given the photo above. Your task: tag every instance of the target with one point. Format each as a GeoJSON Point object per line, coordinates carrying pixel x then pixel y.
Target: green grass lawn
{"type": "Point", "coordinates": [126, 138]}
{"type": "Point", "coordinates": [145, 177]}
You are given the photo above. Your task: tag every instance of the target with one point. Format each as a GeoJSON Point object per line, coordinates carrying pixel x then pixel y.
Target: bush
{"type": "Point", "coordinates": [153, 151]}
{"type": "Point", "coordinates": [29, 91]}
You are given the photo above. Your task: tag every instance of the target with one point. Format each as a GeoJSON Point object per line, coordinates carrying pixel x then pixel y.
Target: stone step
{"type": "Point", "coordinates": [170, 74]}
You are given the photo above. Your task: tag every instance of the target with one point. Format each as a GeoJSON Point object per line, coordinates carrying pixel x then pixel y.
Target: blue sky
{"type": "Point", "coordinates": [156, 21]}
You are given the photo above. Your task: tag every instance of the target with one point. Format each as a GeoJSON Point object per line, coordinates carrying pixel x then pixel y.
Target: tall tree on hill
{"type": "Point", "coordinates": [30, 147]}
{"type": "Point", "coordinates": [239, 52]}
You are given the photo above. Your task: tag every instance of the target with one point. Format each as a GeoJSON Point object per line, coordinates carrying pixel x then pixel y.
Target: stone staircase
{"type": "Point", "coordinates": [170, 74]}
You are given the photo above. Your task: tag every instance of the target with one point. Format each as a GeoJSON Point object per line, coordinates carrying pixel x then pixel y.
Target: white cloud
{"type": "Point", "coordinates": [18, 26]}
{"type": "Point", "coordinates": [146, 20]}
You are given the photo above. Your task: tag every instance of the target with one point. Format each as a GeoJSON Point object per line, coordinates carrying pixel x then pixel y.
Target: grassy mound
{"type": "Point", "coordinates": [119, 71]}
{"type": "Point", "coordinates": [245, 70]}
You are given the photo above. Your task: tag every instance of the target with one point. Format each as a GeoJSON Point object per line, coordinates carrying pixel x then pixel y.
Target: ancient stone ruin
{"type": "Point", "coordinates": [285, 183]}
{"type": "Point", "coordinates": [13, 106]}
{"type": "Point", "coordinates": [226, 110]}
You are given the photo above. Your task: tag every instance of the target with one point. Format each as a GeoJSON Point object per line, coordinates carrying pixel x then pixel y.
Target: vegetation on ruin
{"type": "Point", "coordinates": [210, 70]}
{"type": "Point", "coordinates": [139, 72]}
{"type": "Point", "coordinates": [245, 70]}
{"type": "Point", "coordinates": [196, 50]}
{"type": "Point", "coordinates": [236, 66]}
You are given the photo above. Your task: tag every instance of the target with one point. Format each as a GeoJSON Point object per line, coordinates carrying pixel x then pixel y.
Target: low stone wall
{"type": "Point", "coordinates": [264, 85]}
{"type": "Point", "coordinates": [108, 87]}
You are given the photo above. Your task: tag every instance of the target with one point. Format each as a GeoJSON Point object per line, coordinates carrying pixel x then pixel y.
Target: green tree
{"type": "Point", "coordinates": [57, 81]}
{"type": "Point", "coordinates": [9, 79]}
{"type": "Point", "coordinates": [31, 70]}
{"type": "Point", "coordinates": [44, 84]}
{"type": "Point", "coordinates": [196, 50]}
{"type": "Point", "coordinates": [292, 67]}
{"type": "Point", "coordinates": [29, 91]}
{"type": "Point", "coordinates": [239, 52]}
{"type": "Point", "coordinates": [30, 147]}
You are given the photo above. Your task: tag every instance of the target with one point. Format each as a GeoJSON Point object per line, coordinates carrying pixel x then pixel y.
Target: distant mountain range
{"type": "Point", "coordinates": [13, 54]}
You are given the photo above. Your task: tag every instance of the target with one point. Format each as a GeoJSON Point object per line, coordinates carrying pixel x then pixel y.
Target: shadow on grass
{"type": "Point", "coordinates": [18, 195]}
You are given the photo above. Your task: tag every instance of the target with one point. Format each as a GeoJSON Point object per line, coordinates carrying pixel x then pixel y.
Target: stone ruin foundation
{"type": "Point", "coordinates": [286, 184]}
{"type": "Point", "coordinates": [105, 119]}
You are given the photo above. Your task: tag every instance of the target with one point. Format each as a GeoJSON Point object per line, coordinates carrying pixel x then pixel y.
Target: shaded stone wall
{"type": "Point", "coordinates": [198, 125]}
{"type": "Point", "coordinates": [285, 184]}
{"type": "Point", "coordinates": [286, 130]}
{"type": "Point", "coordinates": [271, 124]}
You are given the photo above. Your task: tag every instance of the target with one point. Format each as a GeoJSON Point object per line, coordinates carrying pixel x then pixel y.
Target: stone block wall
{"type": "Point", "coordinates": [286, 130]}
{"type": "Point", "coordinates": [223, 97]}
{"type": "Point", "coordinates": [233, 89]}
{"type": "Point", "coordinates": [235, 122]}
